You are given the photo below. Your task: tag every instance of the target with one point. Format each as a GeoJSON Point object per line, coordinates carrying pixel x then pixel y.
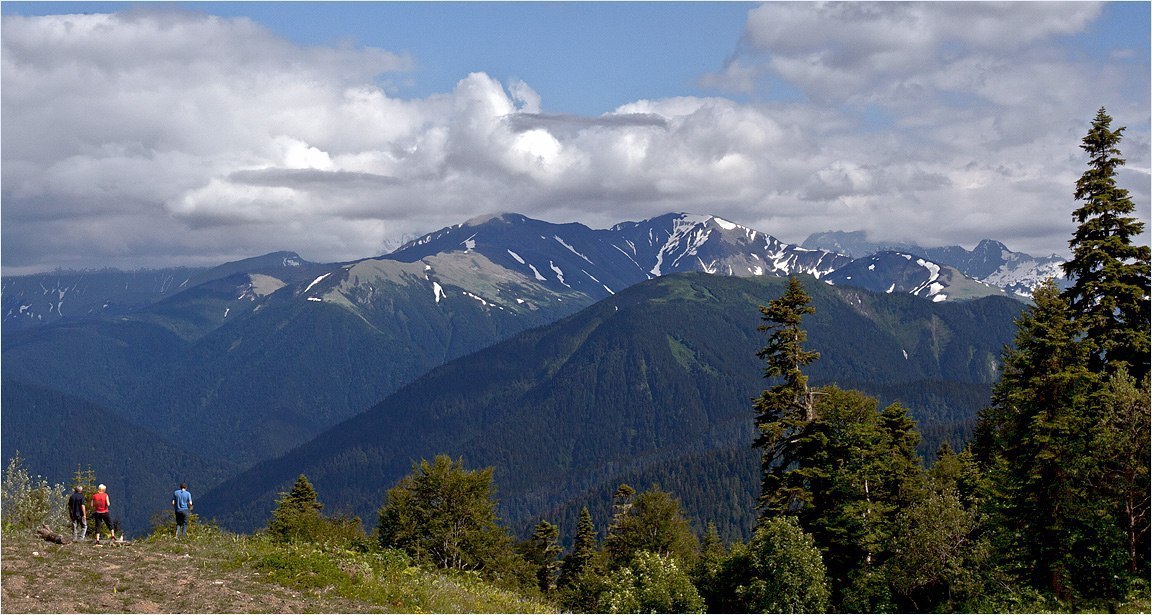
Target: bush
{"type": "Point", "coordinates": [787, 570]}
{"type": "Point", "coordinates": [26, 503]}
{"type": "Point", "coordinates": [652, 583]}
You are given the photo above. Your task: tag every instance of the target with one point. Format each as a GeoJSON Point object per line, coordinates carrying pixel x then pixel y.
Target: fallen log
{"type": "Point", "coordinates": [47, 534]}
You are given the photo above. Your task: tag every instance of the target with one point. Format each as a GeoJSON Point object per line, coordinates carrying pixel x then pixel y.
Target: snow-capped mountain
{"type": "Point", "coordinates": [515, 264]}
{"type": "Point", "coordinates": [990, 261]}
{"type": "Point", "coordinates": [597, 263]}
{"type": "Point", "coordinates": [34, 300]}
{"type": "Point", "coordinates": [685, 242]}
{"type": "Point", "coordinates": [898, 272]}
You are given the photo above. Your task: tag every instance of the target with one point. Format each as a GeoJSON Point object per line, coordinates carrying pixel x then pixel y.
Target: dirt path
{"type": "Point", "coordinates": [141, 577]}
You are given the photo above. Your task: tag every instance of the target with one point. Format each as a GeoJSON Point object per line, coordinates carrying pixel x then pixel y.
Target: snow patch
{"type": "Point", "coordinates": [933, 269]}
{"type": "Point", "coordinates": [478, 298]}
{"type": "Point", "coordinates": [724, 224]}
{"type": "Point", "coordinates": [438, 291]}
{"type": "Point", "coordinates": [571, 249]}
{"type": "Point", "coordinates": [939, 298]}
{"type": "Point", "coordinates": [559, 273]}
{"type": "Point", "coordinates": [536, 272]}
{"type": "Point", "coordinates": [315, 299]}
{"type": "Point", "coordinates": [517, 257]}
{"type": "Point", "coordinates": [317, 281]}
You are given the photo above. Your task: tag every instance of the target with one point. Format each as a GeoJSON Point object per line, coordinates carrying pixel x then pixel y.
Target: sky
{"type": "Point", "coordinates": [164, 134]}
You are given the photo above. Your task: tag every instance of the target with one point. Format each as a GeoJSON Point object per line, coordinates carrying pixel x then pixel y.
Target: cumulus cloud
{"type": "Point", "coordinates": [159, 138]}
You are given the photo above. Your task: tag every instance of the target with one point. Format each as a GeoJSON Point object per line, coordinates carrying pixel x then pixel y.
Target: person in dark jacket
{"type": "Point", "coordinates": [78, 512]}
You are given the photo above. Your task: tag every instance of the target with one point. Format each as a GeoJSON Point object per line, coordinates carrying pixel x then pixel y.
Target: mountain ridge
{"type": "Point", "coordinates": [990, 261]}
{"type": "Point", "coordinates": [568, 257]}
{"type": "Point", "coordinates": [626, 387]}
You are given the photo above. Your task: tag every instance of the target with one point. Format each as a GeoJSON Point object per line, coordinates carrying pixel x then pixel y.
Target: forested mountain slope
{"type": "Point", "coordinates": [58, 434]}
{"type": "Point", "coordinates": [645, 384]}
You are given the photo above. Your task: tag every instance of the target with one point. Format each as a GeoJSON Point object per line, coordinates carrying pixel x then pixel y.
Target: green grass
{"type": "Point", "coordinates": [383, 577]}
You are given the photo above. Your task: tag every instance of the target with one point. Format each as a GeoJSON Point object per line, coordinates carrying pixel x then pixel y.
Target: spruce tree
{"type": "Point", "coordinates": [1110, 276]}
{"type": "Point", "coordinates": [543, 551]}
{"type": "Point", "coordinates": [583, 550]}
{"type": "Point", "coordinates": [297, 512]}
{"type": "Point", "coordinates": [1035, 442]}
{"type": "Point", "coordinates": [783, 410]}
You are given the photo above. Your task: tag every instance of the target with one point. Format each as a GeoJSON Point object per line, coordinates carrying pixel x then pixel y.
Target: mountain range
{"type": "Point", "coordinates": [562, 257]}
{"type": "Point", "coordinates": [990, 261]}
{"type": "Point", "coordinates": [639, 387]}
{"type": "Point", "coordinates": [244, 362]}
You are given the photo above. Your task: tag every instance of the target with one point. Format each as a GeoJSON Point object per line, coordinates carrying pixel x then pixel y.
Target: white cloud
{"type": "Point", "coordinates": [167, 138]}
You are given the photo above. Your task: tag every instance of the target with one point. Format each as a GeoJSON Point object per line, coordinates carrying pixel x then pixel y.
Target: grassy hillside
{"type": "Point", "coordinates": [215, 572]}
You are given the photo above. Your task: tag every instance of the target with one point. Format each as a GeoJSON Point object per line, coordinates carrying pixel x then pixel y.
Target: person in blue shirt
{"type": "Point", "coordinates": [182, 503]}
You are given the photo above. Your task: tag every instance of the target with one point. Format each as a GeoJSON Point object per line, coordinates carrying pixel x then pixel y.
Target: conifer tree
{"type": "Point", "coordinates": [783, 410]}
{"type": "Point", "coordinates": [1035, 440]}
{"type": "Point", "coordinates": [1121, 445]}
{"type": "Point", "coordinates": [583, 549]}
{"type": "Point", "coordinates": [445, 514]}
{"type": "Point", "coordinates": [543, 551]}
{"type": "Point", "coordinates": [297, 512]}
{"type": "Point", "coordinates": [1110, 276]}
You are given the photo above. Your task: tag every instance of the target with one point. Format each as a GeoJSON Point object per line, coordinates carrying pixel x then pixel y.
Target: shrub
{"type": "Point", "coordinates": [787, 571]}
{"type": "Point", "coordinates": [652, 583]}
{"type": "Point", "coordinates": [27, 503]}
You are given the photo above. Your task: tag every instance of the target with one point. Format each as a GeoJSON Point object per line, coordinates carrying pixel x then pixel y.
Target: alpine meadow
{"type": "Point", "coordinates": [239, 374]}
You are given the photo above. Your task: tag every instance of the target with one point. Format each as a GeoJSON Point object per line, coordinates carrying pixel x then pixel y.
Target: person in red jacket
{"type": "Point", "coordinates": [101, 504]}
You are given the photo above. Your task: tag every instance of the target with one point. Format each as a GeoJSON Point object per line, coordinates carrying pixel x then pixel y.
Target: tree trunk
{"type": "Point", "coordinates": [47, 534]}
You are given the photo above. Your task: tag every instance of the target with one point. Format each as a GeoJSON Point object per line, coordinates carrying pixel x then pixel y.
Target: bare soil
{"type": "Point", "coordinates": [142, 577]}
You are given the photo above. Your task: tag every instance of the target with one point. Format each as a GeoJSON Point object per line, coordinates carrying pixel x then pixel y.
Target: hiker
{"type": "Point", "coordinates": [182, 504]}
{"type": "Point", "coordinates": [101, 504]}
{"type": "Point", "coordinates": [78, 512]}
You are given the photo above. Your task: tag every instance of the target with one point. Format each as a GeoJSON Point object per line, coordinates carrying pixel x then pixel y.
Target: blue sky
{"type": "Point", "coordinates": [584, 58]}
{"type": "Point", "coordinates": [942, 123]}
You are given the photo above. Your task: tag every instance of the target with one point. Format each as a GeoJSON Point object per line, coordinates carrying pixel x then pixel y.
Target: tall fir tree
{"type": "Point", "coordinates": [783, 410]}
{"type": "Point", "coordinates": [1109, 296]}
{"type": "Point", "coordinates": [1036, 441]}
{"type": "Point", "coordinates": [543, 551]}
{"type": "Point", "coordinates": [583, 550]}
